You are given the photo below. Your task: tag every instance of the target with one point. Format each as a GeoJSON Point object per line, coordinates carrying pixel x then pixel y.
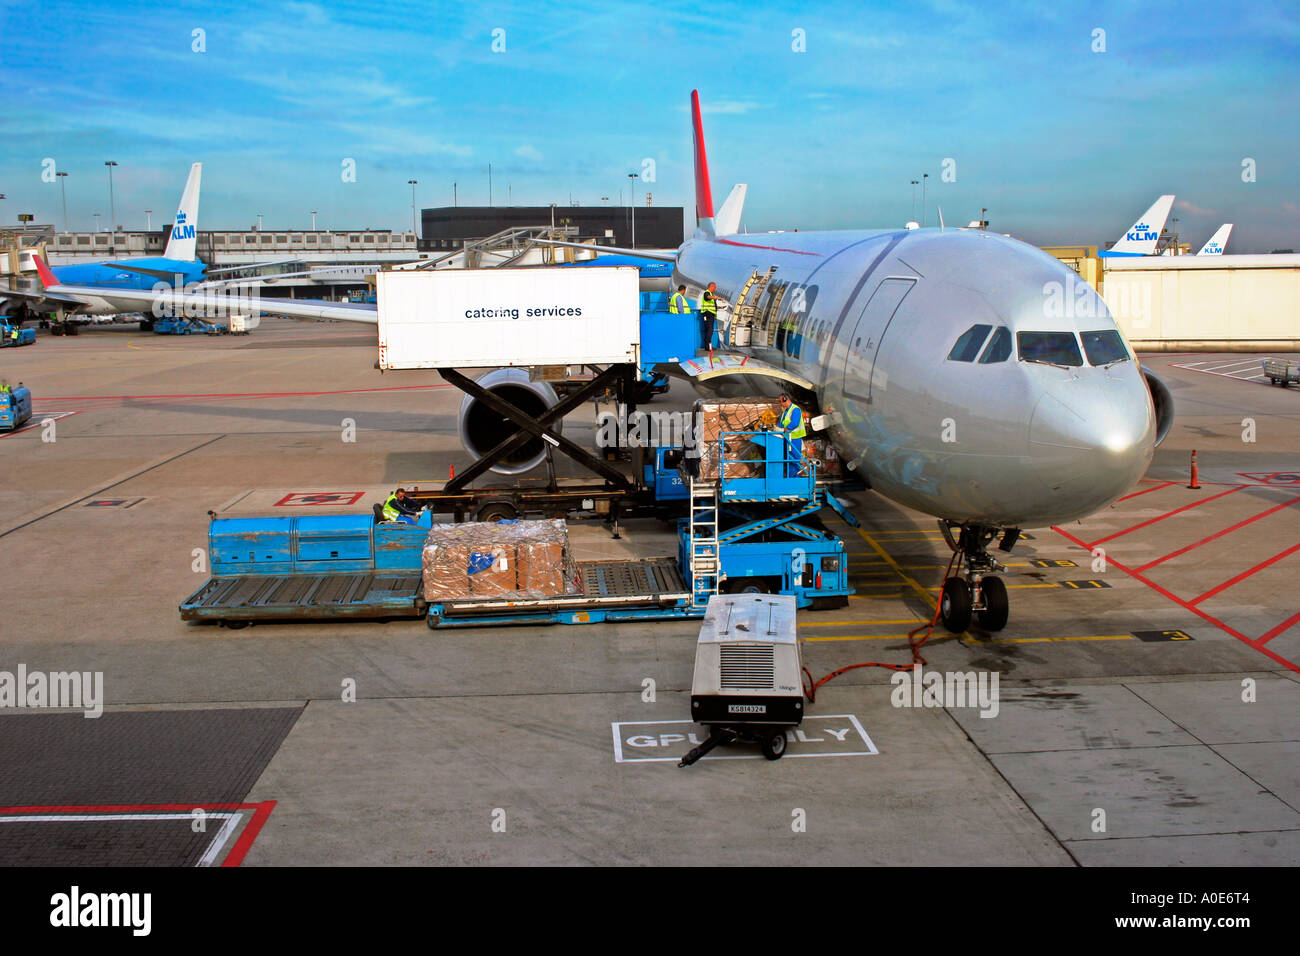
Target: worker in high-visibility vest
{"type": "Point", "coordinates": [709, 312]}
{"type": "Point", "coordinates": [678, 303]}
{"type": "Point", "coordinates": [397, 508]}
{"type": "Point", "coordinates": [793, 428]}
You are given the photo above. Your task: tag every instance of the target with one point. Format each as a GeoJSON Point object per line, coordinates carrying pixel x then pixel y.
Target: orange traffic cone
{"type": "Point", "coordinates": [1195, 472]}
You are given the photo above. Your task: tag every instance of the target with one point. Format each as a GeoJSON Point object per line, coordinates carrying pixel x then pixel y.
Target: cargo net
{"type": "Point", "coordinates": [499, 559]}
{"type": "Point", "coordinates": [744, 457]}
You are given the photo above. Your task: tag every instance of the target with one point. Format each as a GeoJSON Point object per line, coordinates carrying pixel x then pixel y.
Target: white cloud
{"type": "Point", "coordinates": [528, 151]}
{"type": "Point", "coordinates": [1185, 206]}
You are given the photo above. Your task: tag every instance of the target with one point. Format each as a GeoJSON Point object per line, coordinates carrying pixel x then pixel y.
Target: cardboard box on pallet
{"type": "Point", "coordinates": [742, 415]}
{"type": "Point", "coordinates": [492, 571]}
{"type": "Point", "coordinates": [504, 559]}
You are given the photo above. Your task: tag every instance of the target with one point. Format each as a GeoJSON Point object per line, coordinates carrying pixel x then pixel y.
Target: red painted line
{"type": "Point", "coordinates": [342, 391]}
{"type": "Point", "coordinates": [249, 834]}
{"type": "Point", "coordinates": [244, 843]}
{"type": "Point", "coordinates": [1218, 534]}
{"type": "Point", "coordinates": [1146, 490]}
{"type": "Point", "coordinates": [750, 245]}
{"type": "Point", "coordinates": [130, 807]}
{"type": "Point", "coordinates": [1245, 574]}
{"type": "Point", "coordinates": [1183, 604]}
{"type": "Point", "coordinates": [1168, 514]}
{"type": "Point", "coordinates": [1270, 634]}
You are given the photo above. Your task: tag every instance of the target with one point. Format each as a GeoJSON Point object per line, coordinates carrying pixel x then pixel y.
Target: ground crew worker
{"type": "Point", "coordinates": [13, 334]}
{"type": "Point", "coordinates": [709, 312]}
{"type": "Point", "coordinates": [793, 428]}
{"type": "Point", "coordinates": [678, 303]}
{"type": "Point", "coordinates": [397, 508]}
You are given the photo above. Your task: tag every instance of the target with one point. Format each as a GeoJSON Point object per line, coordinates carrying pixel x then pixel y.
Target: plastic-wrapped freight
{"type": "Point", "coordinates": [499, 559]}
{"type": "Point", "coordinates": [741, 415]}
{"type": "Point", "coordinates": [749, 415]}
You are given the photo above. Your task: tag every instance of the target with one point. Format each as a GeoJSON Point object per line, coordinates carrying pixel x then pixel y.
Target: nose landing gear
{"type": "Point", "coordinates": [973, 591]}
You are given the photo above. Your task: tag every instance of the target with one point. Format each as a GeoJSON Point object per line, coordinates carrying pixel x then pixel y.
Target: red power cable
{"type": "Point", "coordinates": [810, 687]}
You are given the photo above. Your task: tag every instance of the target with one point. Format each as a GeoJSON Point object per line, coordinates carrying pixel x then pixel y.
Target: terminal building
{"type": "Point", "coordinates": [656, 227]}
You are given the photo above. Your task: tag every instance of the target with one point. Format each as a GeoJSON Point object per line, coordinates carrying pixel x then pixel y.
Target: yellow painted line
{"type": "Point", "coordinates": [901, 620]}
{"type": "Point", "coordinates": [860, 637]}
{"type": "Point", "coordinates": [925, 594]}
{"type": "Point", "coordinates": [1009, 586]}
{"type": "Point", "coordinates": [1041, 640]}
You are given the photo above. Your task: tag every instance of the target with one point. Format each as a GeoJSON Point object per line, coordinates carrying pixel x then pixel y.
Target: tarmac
{"type": "Point", "coordinates": [1147, 707]}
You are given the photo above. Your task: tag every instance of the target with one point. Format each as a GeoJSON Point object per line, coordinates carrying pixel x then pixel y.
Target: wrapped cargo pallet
{"type": "Point", "coordinates": [499, 559]}
{"type": "Point", "coordinates": [749, 415]}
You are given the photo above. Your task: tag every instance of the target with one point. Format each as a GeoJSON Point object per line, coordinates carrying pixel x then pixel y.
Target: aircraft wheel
{"type": "Point", "coordinates": [996, 606]}
{"type": "Point", "coordinates": [773, 745]}
{"type": "Point", "coordinates": [954, 605]}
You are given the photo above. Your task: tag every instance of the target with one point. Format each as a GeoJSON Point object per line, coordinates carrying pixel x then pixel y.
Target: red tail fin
{"type": "Point", "coordinates": [47, 277]}
{"type": "Point", "coordinates": [703, 191]}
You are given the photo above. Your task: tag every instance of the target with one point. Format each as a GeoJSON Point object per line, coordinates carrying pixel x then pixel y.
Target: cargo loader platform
{"type": "Point", "coordinates": [243, 598]}
{"type": "Point", "coordinates": [651, 589]}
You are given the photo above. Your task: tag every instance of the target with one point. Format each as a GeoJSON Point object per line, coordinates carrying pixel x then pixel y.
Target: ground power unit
{"type": "Point", "coordinates": [748, 673]}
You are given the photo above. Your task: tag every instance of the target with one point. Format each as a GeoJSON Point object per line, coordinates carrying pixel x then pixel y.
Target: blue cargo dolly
{"type": "Point", "coordinates": [15, 408]}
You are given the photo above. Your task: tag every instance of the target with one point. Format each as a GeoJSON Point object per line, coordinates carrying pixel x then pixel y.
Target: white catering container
{"type": "Point", "coordinates": [487, 318]}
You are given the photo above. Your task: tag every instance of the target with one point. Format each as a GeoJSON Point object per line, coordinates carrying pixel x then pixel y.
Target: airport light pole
{"type": "Point", "coordinates": [925, 177]}
{"type": "Point", "coordinates": [64, 193]}
{"type": "Point", "coordinates": [313, 220]}
{"type": "Point", "coordinates": [148, 220]}
{"type": "Point", "coordinates": [97, 222]}
{"type": "Point", "coordinates": [112, 207]}
{"type": "Point", "coordinates": [632, 204]}
{"type": "Point", "coordinates": [915, 183]}
{"type": "Point", "coordinates": [454, 200]}
{"type": "Point", "coordinates": [489, 184]}
{"type": "Point", "coordinates": [412, 183]}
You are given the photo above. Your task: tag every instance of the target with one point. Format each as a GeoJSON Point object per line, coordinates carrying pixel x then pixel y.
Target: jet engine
{"type": "Point", "coordinates": [482, 429]}
{"type": "Point", "coordinates": [1163, 402]}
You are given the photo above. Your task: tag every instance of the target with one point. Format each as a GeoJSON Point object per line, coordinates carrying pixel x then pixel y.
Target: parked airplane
{"type": "Point", "coordinates": [1141, 238]}
{"type": "Point", "coordinates": [962, 373]}
{"type": "Point", "coordinates": [1215, 245]}
{"type": "Point", "coordinates": [80, 288]}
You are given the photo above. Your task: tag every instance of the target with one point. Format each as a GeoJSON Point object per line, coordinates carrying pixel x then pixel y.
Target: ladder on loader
{"type": "Point", "coordinates": [705, 562]}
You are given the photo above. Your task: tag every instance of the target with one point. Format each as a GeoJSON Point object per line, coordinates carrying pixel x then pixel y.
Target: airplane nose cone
{"type": "Point", "coordinates": [1092, 446]}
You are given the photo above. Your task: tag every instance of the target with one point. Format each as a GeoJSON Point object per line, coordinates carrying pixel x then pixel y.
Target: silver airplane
{"type": "Point", "coordinates": [963, 374]}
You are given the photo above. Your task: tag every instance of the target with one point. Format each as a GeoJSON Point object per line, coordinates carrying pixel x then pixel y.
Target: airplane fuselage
{"type": "Point", "coordinates": [872, 319]}
{"type": "Point", "coordinates": [109, 276]}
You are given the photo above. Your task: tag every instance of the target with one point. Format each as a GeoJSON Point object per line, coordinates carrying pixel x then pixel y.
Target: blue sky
{"type": "Point", "coordinates": [1061, 143]}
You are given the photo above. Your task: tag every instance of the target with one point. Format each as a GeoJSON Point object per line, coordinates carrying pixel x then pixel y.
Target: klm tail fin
{"type": "Point", "coordinates": [1217, 242]}
{"type": "Point", "coordinates": [183, 242]}
{"type": "Point", "coordinates": [1140, 239]}
{"type": "Point", "coordinates": [727, 221]}
{"type": "Point", "coordinates": [703, 191]}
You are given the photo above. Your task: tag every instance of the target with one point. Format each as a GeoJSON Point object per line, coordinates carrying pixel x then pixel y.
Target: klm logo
{"type": "Point", "coordinates": [182, 232]}
{"type": "Point", "coordinates": [1214, 249]}
{"type": "Point", "coordinates": [180, 217]}
{"type": "Point", "coordinates": [1141, 233]}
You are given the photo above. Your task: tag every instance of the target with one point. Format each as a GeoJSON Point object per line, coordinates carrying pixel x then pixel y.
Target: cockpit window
{"type": "Point", "coordinates": [1051, 348]}
{"type": "Point", "coordinates": [968, 346]}
{"type": "Point", "coordinates": [1104, 347]}
{"type": "Point", "coordinates": [999, 349]}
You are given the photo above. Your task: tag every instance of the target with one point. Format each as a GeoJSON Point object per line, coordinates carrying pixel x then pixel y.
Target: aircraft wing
{"type": "Point", "coordinates": [213, 304]}
{"type": "Point", "coordinates": [43, 296]}
{"type": "Point", "coordinates": [160, 274]}
{"type": "Point", "coordinates": [639, 253]}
